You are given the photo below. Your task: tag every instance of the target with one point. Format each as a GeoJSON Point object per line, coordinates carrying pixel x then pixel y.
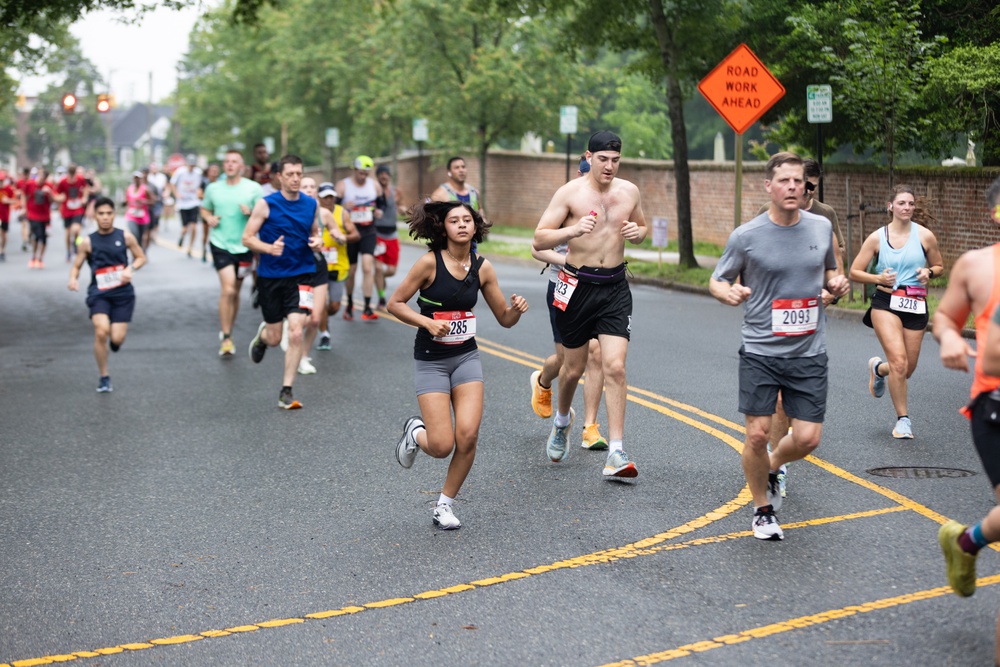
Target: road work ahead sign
{"type": "Point", "coordinates": [741, 89]}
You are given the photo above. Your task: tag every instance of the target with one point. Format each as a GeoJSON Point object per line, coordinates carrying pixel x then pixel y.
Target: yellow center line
{"type": "Point", "coordinates": [647, 546]}
{"type": "Point", "coordinates": [791, 624]}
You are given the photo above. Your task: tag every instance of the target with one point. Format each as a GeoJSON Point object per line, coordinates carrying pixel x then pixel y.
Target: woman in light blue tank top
{"type": "Point", "coordinates": [907, 257]}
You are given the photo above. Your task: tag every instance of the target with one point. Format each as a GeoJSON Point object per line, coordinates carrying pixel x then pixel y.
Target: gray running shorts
{"type": "Point", "coordinates": [336, 289]}
{"type": "Point", "coordinates": [440, 376]}
{"type": "Point", "coordinates": [802, 381]}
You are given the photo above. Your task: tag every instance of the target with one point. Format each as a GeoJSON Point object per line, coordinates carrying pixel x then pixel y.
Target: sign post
{"type": "Point", "coordinates": [819, 110]}
{"type": "Point", "coordinates": [741, 89]}
{"type": "Point", "coordinates": [420, 135]}
{"type": "Point", "coordinates": [567, 126]}
{"type": "Point", "coordinates": [659, 238]}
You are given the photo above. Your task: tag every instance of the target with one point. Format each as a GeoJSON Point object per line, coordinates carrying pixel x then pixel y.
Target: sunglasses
{"type": "Point", "coordinates": [810, 186]}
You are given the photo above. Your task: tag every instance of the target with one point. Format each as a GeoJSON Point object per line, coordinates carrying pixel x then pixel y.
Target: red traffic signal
{"type": "Point", "coordinates": [69, 103]}
{"type": "Point", "coordinates": [103, 103]}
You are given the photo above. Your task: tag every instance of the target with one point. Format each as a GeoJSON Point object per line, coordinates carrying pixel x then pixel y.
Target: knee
{"type": "Point", "coordinates": [806, 440]}
{"type": "Point", "coordinates": [910, 370]}
{"type": "Point", "coordinates": [295, 333]}
{"type": "Point", "coordinates": [898, 367]}
{"type": "Point", "coordinates": [758, 438]}
{"type": "Point", "coordinates": [614, 371]}
{"type": "Point", "coordinates": [229, 292]}
{"type": "Point", "coordinates": [466, 440]}
{"type": "Point", "coordinates": [102, 333]}
{"type": "Point", "coordinates": [439, 447]}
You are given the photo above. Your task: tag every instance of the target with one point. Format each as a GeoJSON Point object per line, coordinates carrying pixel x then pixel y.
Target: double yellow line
{"type": "Point", "coordinates": [713, 425]}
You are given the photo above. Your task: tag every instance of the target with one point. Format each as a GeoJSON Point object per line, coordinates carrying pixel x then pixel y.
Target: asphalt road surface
{"type": "Point", "coordinates": [185, 520]}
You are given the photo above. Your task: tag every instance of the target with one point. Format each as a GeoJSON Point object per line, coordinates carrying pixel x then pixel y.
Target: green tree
{"type": "Point", "coordinates": [640, 115]}
{"type": "Point", "coordinates": [964, 87]}
{"type": "Point", "coordinates": [81, 133]}
{"type": "Point", "coordinates": [484, 74]}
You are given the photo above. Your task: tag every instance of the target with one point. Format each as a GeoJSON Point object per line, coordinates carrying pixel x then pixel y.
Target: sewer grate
{"type": "Point", "coordinates": [911, 472]}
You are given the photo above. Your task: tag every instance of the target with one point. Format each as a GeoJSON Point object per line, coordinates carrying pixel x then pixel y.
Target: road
{"type": "Point", "coordinates": [185, 520]}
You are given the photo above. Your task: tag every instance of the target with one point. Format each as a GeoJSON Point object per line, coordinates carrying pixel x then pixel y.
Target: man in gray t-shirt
{"type": "Point", "coordinates": [783, 260]}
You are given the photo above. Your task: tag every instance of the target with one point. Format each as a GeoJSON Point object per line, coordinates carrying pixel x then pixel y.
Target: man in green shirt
{"type": "Point", "coordinates": [226, 207]}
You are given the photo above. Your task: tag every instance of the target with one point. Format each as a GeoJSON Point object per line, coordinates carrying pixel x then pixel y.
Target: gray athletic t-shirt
{"type": "Point", "coordinates": [786, 263]}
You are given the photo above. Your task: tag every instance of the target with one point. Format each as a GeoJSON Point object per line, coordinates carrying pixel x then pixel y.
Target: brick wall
{"type": "Point", "coordinates": [521, 185]}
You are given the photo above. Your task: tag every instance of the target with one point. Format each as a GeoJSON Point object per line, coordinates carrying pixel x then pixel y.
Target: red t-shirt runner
{"type": "Point", "coordinates": [6, 199]}
{"type": "Point", "coordinates": [39, 201]}
{"type": "Point", "coordinates": [74, 204]}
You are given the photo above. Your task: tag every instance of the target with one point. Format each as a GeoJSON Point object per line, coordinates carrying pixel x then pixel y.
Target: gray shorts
{"type": "Point", "coordinates": [802, 381]}
{"type": "Point", "coordinates": [440, 376]}
{"type": "Point", "coordinates": [336, 289]}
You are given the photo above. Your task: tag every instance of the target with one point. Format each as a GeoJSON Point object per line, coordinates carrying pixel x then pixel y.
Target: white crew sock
{"type": "Point", "coordinates": [615, 445]}
{"type": "Point", "coordinates": [561, 419]}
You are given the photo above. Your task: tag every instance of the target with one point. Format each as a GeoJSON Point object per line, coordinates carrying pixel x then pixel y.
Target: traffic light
{"type": "Point", "coordinates": [69, 103]}
{"type": "Point", "coordinates": [103, 103]}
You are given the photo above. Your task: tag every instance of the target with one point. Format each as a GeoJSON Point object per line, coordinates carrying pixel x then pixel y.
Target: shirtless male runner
{"type": "Point", "coordinates": [595, 215]}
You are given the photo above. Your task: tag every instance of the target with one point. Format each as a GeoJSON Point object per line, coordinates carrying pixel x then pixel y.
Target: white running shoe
{"type": "Point", "coordinates": [306, 367]}
{"type": "Point", "coordinates": [407, 447]}
{"type": "Point", "coordinates": [557, 446]}
{"type": "Point", "coordinates": [765, 526]}
{"type": "Point", "coordinates": [445, 519]}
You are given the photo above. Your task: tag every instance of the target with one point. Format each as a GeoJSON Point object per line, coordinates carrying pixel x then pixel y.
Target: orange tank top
{"type": "Point", "coordinates": [981, 382]}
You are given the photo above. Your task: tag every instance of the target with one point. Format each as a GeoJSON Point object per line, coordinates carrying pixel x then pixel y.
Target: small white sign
{"type": "Point", "coordinates": [332, 137]}
{"type": "Point", "coordinates": [420, 132]}
{"type": "Point", "coordinates": [567, 119]}
{"type": "Point", "coordinates": [659, 232]}
{"type": "Point", "coordinates": [819, 104]}
{"type": "Point", "coordinates": [269, 144]}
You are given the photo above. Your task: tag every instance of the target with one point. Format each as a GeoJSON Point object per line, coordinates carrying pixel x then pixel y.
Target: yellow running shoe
{"type": "Point", "coordinates": [541, 398]}
{"type": "Point", "coordinates": [961, 566]}
{"type": "Point", "coordinates": [227, 349]}
{"type": "Point", "coordinates": [592, 437]}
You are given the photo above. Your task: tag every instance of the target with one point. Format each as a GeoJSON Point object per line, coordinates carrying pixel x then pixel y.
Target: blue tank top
{"type": "Point", "coordinates": [292, 219]}
{"type": "Point", "coordinates": [108, 250]}
{"type": "Point", "coordinates": [905, 261]}
{"type": "Point", "coordinates": [446, 293]}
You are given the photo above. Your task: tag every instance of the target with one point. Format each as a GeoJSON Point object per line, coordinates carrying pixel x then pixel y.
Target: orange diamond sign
{"type": "Point", "coordinates": [741, 89]}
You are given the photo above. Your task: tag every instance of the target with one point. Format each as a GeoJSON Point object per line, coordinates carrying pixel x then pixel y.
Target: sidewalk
{"type": "Point", "coordinates": [631, 252]}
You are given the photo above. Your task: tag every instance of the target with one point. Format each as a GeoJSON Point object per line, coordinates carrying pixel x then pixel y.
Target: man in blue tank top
{"type": "Point", "coordinates": [110, 296]}
{"type": "Point", "coordinates": [283, 229]}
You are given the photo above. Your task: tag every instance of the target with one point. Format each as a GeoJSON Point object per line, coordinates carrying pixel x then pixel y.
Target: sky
{"type": "Point", "coordinates": [128, 53]}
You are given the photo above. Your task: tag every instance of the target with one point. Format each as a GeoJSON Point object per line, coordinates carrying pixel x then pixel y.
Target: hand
{"type": "Point", "coordinates": [127, 275]}
{"type": "Point", "coordinates": [213, 221]}
{"type": "Point", "coordinates": [887, 278]}
{"type": "Point", "coordinates": [827, 298]}
{"type": "Point", "coordinates": [316, 242]}
{"type": "Point", "coordinates": [737, 294]}
{"type": "Point", "coordinates": [924, 275]}
{"type": "Point", "coordinates": [244, 209]}
{"type": "Point", "coordinates": [840, 285]}
{"type": "Point", "coordinates": [955, 352]}
{"type": "Point", "coordinates": [586, 224]}
{"type": "Point", "coordinates": [377, 214]}
{"type": "Point", "coordinates": [518, 303]}
{"type": "Point", "coordinates": [630, 230]}
{"type": "Point", "coordinates": [278, 246]}
{"type": "Point", "coordinates": [73, 285]}
{"type": "Point", "coordinates": [340, 239]}
{"type": "Point", "coordinates": [438, 328]}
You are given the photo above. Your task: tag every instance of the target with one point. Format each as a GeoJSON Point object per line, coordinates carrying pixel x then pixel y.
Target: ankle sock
{"type": "Point", "coordinates": [445, 500]}
{"type": "Point", "coordinates": [972, 540]}
{"type": "Point", "coordinates": [561, 420]}
{"type": "Point", "coordinates": [615, 445]}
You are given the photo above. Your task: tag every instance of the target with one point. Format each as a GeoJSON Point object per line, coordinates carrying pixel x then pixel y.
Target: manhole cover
{"type": "Point", "coordinates": [910, 472]}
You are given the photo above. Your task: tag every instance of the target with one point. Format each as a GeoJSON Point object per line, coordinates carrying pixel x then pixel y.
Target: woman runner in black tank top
{"type": "Point", "coordinates": [449, 374]}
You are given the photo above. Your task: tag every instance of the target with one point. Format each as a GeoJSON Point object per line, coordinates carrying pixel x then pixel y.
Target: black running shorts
{"type": "Point", "coordinates": [986, 436]}
{"type": "Point", "coordinates": [601, 304]}
{"type": "Point", "coordinates": [279, 297]}
{"type": "Point", "coordinates": [223, 258]}
{"type": "Point", "coordinates": [802, 381]}
{"type": "Point", "coordinates": [189, 216]}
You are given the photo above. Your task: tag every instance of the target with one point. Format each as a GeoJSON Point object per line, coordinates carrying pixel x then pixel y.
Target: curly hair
{"type": "Point", "coordinates": [427, 223]}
